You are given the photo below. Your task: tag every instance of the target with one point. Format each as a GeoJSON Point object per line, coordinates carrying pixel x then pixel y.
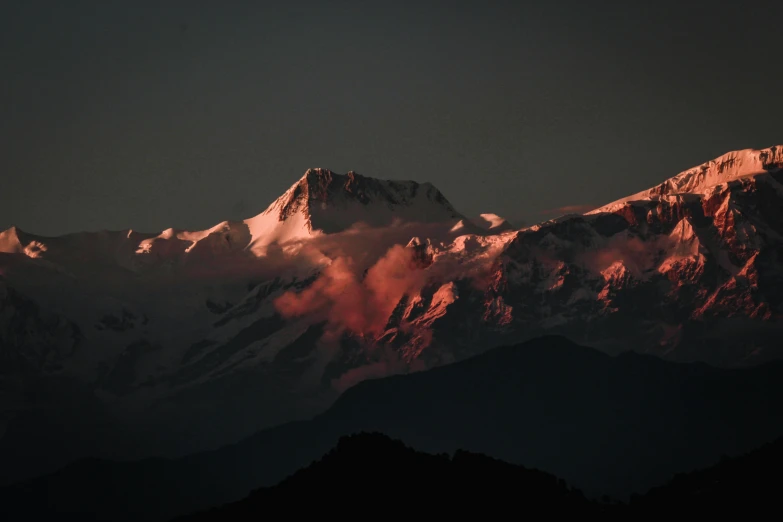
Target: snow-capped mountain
{"type": "Point", "coordinates": [191, 339]}
{"type": "Point", "coordinates": [166, 330]}
{"type": "Point", "coordinates": [323, 202]}
{"type": "Point", "coordinates": [690, 269]}
{"type": "Point", "coordinates": [707, 179]}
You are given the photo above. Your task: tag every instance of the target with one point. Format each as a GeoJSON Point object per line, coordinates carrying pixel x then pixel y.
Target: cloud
{"type": "Point", "coordinates": [366, 272]}
{"type": "Point", "coordinates": [569, 209]}
{"type": "Point", "coordinates": [635, 254]}
{"type": "Point", "coordinates": [363, 275]}
{"type": "Point", "coordinates": [386, 361]}
{"type": "Point", "coordinates": [349, 299]}
{"type": "Point", "coordinates": [632, 252]}
{"type": "Point", "coordinates": [390, 363]}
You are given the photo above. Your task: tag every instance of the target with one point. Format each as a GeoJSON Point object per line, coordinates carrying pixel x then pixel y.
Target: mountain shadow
{"type": "Point", "coordinates": [606, 425]}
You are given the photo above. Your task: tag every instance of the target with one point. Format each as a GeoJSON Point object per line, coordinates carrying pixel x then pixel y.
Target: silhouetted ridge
{"type": "Point", "coordinates": [554, 355]}
{"type": "Point", "coordinates": [374, 470]}
{"type": "Point", "coordinates": [372, 467]}
{"type": "Point", "coordinates": [606, 425]}
{"type": "Point", "coordinates": [741, 486]}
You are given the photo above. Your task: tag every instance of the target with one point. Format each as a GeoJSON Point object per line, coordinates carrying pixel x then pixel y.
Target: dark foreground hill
{"type": "Point", "coordinates": [371, 474]}
{"type": "Point", "coordinates": [374, 473]}
{"type": "Point", "coordinates": [740, 487]}
{"type": "Point", "coordinates": [606, 425]}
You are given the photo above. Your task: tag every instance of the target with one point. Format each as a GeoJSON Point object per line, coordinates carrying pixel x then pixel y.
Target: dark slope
{"type": "Point", "coordinates": [381, 473]}
{"type": "Point", "coordinates": [742, 486]}
{"type": "Point", "coordinates": [607, 425]}
{"type": "Point", "coordinates": [370, 473]}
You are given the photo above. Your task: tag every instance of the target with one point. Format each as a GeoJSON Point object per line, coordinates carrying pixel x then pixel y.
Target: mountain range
{"type": "Point", "coordinates": [125, 344]}
{"type": "Point", "coordinates": [607, 425]}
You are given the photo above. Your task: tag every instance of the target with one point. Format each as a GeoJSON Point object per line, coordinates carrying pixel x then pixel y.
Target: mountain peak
{"type": "Point", "coordinates": [702, 179]}
{"type": "Point", "coordinates": [10, 242]}
{"type": "Point", "coordinates": [324, 202]}
{"type": "Point", "coordinates": [321, 184]}
{"type": "Point", "coordinates": [318, 176]}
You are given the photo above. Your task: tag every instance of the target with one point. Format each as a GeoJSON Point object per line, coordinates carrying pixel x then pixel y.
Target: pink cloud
{"type": "Point", "coordinates": [569, 209]}
{"type": "Point", "coordinates": [351, 302]}
{"type": "Point", "coordinates": [369, 272]}
{"type": "Point", "coordinates": [635, 254]}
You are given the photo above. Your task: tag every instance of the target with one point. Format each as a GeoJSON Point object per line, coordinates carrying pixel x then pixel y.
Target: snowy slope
{"type": "Point", "coordinates": [710, 177]}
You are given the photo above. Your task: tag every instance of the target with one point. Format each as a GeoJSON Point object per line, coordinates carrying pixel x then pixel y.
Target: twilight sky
{"type": "Point", "coordinates": [130, 115]}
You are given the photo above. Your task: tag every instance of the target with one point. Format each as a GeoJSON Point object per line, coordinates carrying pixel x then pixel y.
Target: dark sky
{"type": "Point", "coordinates": [128, 114]}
